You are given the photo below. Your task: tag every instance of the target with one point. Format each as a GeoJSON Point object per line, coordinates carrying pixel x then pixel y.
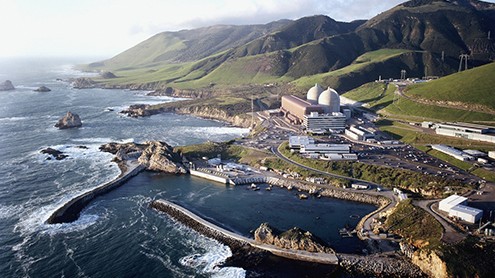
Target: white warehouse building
{"type": "Point", "coordinates": [455, 206]}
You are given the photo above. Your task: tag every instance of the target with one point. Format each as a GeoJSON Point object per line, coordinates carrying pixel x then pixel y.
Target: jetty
{"type": "Point", "coordinates": [209, 229]}
{"type": "Point", "coordinates": [71, 210]}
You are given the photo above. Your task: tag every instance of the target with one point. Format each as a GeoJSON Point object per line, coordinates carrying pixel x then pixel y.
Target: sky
{"type": "Point", "coordinates": [104, 28]}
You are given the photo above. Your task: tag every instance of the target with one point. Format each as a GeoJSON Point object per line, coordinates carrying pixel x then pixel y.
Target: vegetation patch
{"type": "Point", "coordinates": [414, 224]}
{"type": "Point", "coordinates": [391, 177]}
{"type": "Point", "coordinates": [470, 258]}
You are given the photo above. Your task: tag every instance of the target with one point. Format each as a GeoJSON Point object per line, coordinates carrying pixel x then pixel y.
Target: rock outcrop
{"type": "Point", "coordinates": [154, 155]}
{"type": "Point", "coordinates": [294, 239]}
{"type": "Point", "coordinates": [70, 120]}
{"type": "Point", "coordinates": [430, 263]}
{"type": "Point", "coordinates": [139, 110]}
{"type": "Point", "coordinates": [83, 83]}
{"type": "Point", "coordinates": [159, 156]}
{"type": "Point", "coordinates": [58, 155]}
{"type": "Point", "coordinates": [6, 86]}
{"type": "Point", "coordinates": [43, 89]}
{"type": "Point", "coordinates": [108, 75]}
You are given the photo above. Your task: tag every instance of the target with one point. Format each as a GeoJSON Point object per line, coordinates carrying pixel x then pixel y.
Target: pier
{"type": "Point", "coordinates": [201, 225]}
{"type": "Point", "coordinates": [70, 211]}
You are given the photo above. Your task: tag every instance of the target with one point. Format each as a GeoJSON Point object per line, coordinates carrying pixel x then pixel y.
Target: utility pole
{"type": "Point", "coordinates": [464, 57]}
{"type": "Point", "coordinates": [489, 35]}
{"type": "Point", "coordinates": [443, 56]}
{"type": "Point", "coordinates": [252, 112]}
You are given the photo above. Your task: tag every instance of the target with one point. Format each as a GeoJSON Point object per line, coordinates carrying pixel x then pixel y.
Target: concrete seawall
{"type": "Point", "coordinates": [70, 211]}
{"type": "Point", "coordinates": [235, 240]}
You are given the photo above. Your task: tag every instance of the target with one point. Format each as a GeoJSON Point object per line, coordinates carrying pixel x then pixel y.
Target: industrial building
{"type": "Point", "coordinates": [320, 111]}
{"type": "Point", "coordinates": [359, 134]}
{"type": "Point", "coordinates": [296, 142]}
{"type": "Point", "coordinates": [326, 149]}
{"type": "Point", "coordinates": [467, 131]}
{"type": "Point", "coordinates": [458, 154]}
{"type": "Point", "coordinates": [334, 122]}
{"type": "Point", "coordinates": [455, 206]}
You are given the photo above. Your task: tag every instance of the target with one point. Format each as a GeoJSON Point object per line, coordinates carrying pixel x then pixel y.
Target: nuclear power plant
{"type": "Point", "coordinates": [319, 113]}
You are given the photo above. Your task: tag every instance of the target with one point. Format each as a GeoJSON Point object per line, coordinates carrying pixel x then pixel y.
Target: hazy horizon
{"type": "Point", "coordinates": [105, 28]}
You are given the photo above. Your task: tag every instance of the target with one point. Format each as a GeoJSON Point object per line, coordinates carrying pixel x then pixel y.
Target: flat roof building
{"type": "Point", "coordinates": [458, 154]}
{"type": "Point", "coordinates": [455, 206]}
{"type": "Point", "coordinates": [451, 201]}
{"type": "Point", "coordinates": [296, 142]}
{"type": "Point", "coordinates": [465, 213]}
{"type": "Point", "coordinates": [329, 122]}
{"type": "Point", "coordinates": [326, 148]}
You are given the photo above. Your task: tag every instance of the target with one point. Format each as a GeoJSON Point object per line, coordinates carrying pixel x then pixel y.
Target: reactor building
{"type": "Point", "coordinates": [320, 112]}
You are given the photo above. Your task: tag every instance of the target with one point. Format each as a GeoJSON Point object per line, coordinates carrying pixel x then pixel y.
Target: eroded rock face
{"type": "Point", "coordinates": [6, 86]}
{"type": "Point", "coordinates": [43, 89]}
{"type": "Point", "coordinates": [83, 83]}
{"type": "Point", "coordinates": [154, 155]}
{"type": "Point", "coordinates": [159, 156]}
{"type": "Point", "coordinates": [294, 239]}
{"type": "Point", "coordinates": [70, 120]}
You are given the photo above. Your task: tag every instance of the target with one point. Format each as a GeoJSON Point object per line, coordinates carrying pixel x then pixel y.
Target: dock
{"type": "Point", "coordinates": [203, 226]}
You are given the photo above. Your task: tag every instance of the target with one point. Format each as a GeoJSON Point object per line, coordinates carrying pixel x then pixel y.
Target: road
{"type": "Point", "coordinates": [450, 234]}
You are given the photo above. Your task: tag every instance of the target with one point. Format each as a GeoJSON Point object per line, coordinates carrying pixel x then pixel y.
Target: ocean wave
{"type": "Point", "coordinates": [209, 262]}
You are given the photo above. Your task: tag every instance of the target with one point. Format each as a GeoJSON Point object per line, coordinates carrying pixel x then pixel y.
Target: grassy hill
{"type": "Point", "coordinates": [475, 86]}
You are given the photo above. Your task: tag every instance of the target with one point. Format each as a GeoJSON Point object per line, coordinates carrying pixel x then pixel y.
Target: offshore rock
{"type": "Point", "coordinates": [43, 89]}
{"type": "Point", "coordinates": [58, 155]}
{"type": "Point", "coordinates": [83, 83]}
{"type": "Point", "coordinates": [294, 239]}
{"type": "Point", "coordinates": [139, 110]}
{"type": "Point", "coordinates": [70, 120]}
{"type": "Point", "coordinates": [6, 86]}
{"type": "Point", "coordinates": [159, 156]}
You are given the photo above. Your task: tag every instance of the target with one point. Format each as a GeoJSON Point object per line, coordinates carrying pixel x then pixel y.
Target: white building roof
{"type": "Point", "coordinates": [453, 200]}
{"type": "Point", "coordinates": [467, 210]}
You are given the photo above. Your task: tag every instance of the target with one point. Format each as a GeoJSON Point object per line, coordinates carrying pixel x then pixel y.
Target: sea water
{"type": "Point", "coordinates": [118, 235]}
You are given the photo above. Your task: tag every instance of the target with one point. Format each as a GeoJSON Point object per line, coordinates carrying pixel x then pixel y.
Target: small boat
{"type": "Point", "coordinates": [268, 189]}
{"type": "Point", "coordinates": [303, 196]}
{"type": "Point", "coordinates": [254, 187]}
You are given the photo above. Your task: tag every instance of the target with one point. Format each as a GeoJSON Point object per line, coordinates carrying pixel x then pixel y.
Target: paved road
{"type": "Point", "coordinates": [450, 234]}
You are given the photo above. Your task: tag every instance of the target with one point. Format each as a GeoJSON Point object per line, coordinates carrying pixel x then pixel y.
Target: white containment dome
{"type": "Point", "coordinates": [330, 99]}
{"type": "Point", "coordinates": [314, 93]}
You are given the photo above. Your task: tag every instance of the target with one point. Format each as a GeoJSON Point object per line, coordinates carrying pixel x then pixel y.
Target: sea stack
{"type": "Point", "coordinates": [43, 89]}
{"type": "Point", "coordinates": [70, 120]}
{"type": "Point", "coordinates": [6, 86]}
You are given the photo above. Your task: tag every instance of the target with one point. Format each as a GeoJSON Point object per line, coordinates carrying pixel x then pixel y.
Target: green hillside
{"type": "Point", "coordinates": [475, 86]}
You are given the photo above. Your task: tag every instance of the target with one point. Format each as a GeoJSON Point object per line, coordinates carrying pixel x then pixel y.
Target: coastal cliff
{"type": "Point", "coordinates": [143, 110]}
{"type": "Point", "coordinates": [430, 263]}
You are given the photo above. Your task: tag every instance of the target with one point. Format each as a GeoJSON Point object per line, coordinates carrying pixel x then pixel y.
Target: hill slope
{"type": "Point", "coordinates": [316, 48]}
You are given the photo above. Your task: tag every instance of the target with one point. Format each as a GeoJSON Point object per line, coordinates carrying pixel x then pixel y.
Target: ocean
{"type": "Point", "coordinates": [118, 235]}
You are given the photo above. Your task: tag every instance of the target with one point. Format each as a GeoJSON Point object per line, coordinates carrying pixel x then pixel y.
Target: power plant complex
{"type": "Point", "coordinates": [319, 113]}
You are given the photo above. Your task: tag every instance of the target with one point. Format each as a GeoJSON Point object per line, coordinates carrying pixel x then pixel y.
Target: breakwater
{"type": "Point", "coordinates": [234, 240]}
{"type": "Point", "coordinates": [70, 211]}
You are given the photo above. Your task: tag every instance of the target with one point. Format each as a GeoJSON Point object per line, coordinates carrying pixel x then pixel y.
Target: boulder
{"type": "Point", "coordinates": [294, 239]}
{"type": "Point", "coordinates": [159, 156]}
{"type": "Point", "coordinates": [6, 86]}
{"type": "Point", "coordinates": [70, 120]}
{"type": "Point", "coordinates": [43, 89]}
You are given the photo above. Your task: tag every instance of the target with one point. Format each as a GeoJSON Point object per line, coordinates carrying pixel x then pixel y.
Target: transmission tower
{"type": "Point", "coordinates": [464, 57]}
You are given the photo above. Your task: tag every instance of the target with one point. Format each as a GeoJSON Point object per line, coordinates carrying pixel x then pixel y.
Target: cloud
{"type": "Point", "coordinates": [106, 27]}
